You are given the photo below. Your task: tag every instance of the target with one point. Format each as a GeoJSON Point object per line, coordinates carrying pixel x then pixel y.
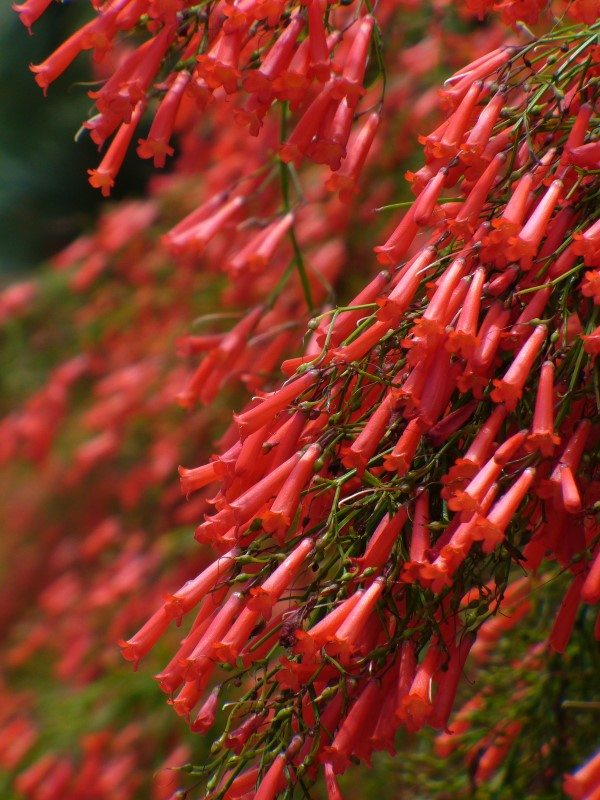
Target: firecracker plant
{"type": "Point", "coordinates": [417, 499]}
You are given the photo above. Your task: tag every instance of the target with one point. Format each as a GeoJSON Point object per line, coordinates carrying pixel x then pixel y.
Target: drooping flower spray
{"type": "Point", "coordinates": [426, 475]}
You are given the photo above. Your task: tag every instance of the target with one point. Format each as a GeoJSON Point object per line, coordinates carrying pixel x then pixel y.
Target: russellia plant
{"type": "Point", "coordinates": [421, 490]}
{"type": "Point", "coordinates": [434, 448]}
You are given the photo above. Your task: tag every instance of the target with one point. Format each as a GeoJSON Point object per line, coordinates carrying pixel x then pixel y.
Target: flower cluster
{"type": "Point", "coordinates": [311, 56]}
{"type": "Point", "coordinates": [97, 432]}
{"type": "Point", "coordinates": [433, 435]}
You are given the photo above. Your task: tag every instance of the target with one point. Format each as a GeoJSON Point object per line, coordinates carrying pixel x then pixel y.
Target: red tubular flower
{"type": "Point", "coordinates": [285, 439]}
{"type": "Point", "coordinates": [236, 740]}
{"type": "Point", "coordinates": [420, 536]}
{"type": "Point", "coordinates": [128, 84]}
{"type": "Point", "coordinates": [456, 87]}
{"type": "Point", "coordinates": [526, 244]}
{"type": "Point", "coordinates": [195, 590]}
{"type": "Point", "coordinates": [264, 597]}
{"type": "Point", "coordinates": [467, 219]}
{"type": "Point", "coordinates": [319, 65]}
{"type": "Point", "coordinates": [104, 176]}
{"type": "Point", "coordinates": [416, 706]}
{"type": "Point", "coordinates": [565, 619]}
{"type": "Point", "coordinates": [451, 423]}
{"type": "Point", "coordinates": [401, 457]}
{"type": "Point", "coordinates": [268, 357]}
{"type": "Point", "coordinates": [467, 467]}
{"type": "Point", "coordinates": [145, 639]}
{"type": "Point", "coordinates": [259, 251]}
{"type": "Point", "coordinates": [457, 124]}
{"type": "Point", "coordinates": [96, 33]}
{"type": "Point", "coordinates": [329, 144]}
{"type": "Point", "coordinates": [331, 784]}
{"type": "Point", "coordinates": [590, 286]}
{"type": "Point", "coordinates": [489, 335]}
{"type": "Point", "coordinates": [344, 323]}
{"type": "Point", "coordinates": [366, 443]}
{"type": "Point", "coordinates": [395, 304]}
{"type": "Point", "coordinates": [420, 540]}
{"type": "Point", "coordinates": [201, 661]}
{"type": "Point", "coordinates": [426, 202]}
{"type": "Point", "coordinates": [187, 699]}
{"type": "Point", "coordinates": [439, 386]}
{"type": "Point", "coordinates": [559, 228]}
{"type": "Point", "coordinates": [586, 156]}
{"type": "Point", "coordinates": [193, 479]}
{"type": "Point", "coordinates": [298, 142]}
{"type": "Point", "coordinates": [480, 133]}
{"type": "Point", "coordinates": [230, 646]}
{"type": "Point", "coordinates": [577, 133]}
{"type": "Point", "coordinates": [382, 716]}
{"type": "Point", "coordinates": [220, 66]}
{"type": "Point", "coordinates": [258, 415]}
{"type": "Point", "coordinates": [350, 85]}
{"type": "Point", "coordinates": [194, 232]}
{"type": "Point", "coordinates": [248, 459]}
{"type": "Point", "coordinates": [463, 338]}
{"type": "Point", "coordinates": [274, 780]}
{"type": "Point", "coordinates": [345, 180]}
{"type": "Point", "coordinates": [520, 330]}
{"type": "Point", "coordinates": [309, 642]}
{"type": "Point", "coordinates": [156, 146]}
{"type": "Point", "coordinates": [196, 216]}
{"type": "Point", "coordinates": [383, 735]}
{"type": "Point", "coordinates": [382, 541]}
{"type": "Point", "coordinates": [171, 677]}
{"type": "Point", "coordinates": [398, 243]}
{"type": "Point", "coordinates": [591, 342]}
{"type": "Point", "coordinates": [213, 371]}
{"type": "Point", "coordinates": [510, 222]}
{"type": "Point", "coordinates": [502, 281]}
{"type": "Point", "coordinates": [510, 389]}
{"type": "Point", "coordinates": [490, 529]}
{"type": "Point", "coordinates": [471, 499]}
{"type": "Point", "coordinates": [542, 436]}
{"type": "Point", "coordinates": [344, 641]}
{"type": "Point", "coordinates": [260, 81]}
{"type": "Point", "coordinates": [362, 344]}
{"type": "Point", "coordinates": [409, 392]}
{"type": "Point", "coordinates": [329, 720]}
{"type": "Point", "coordinates": [263, 639]}
{"type": "Point", "coordinates": [433, 322]}
{"type": "Point", "coordinates": [242, 785]}
{"type": "Point", "coordinates": [494, 755]}
{"type": "Point", "coordinates": [291, 84]}
{"type": "Point", "coordinates": [339, 752]}
{"type": "Point", "coordinates": [281, 514]}
{"type": "Point", "coordinates": [250, 502]}
{"type": "Point", "coordinates": [406, 671]}
{"type": "Point", "coordinates": [30, 11]}
{"type": "Point", "coordinates": [571, 499]}
{"type": "Point", "coordinates": [207, 714]}
{"type": "Point", "coordinates": [590, 591]}
{"type": "Point", "coordinates": [448, 684]}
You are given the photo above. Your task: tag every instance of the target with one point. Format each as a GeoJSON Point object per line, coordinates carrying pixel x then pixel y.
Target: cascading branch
{"type": "Point", "coordinates": [434, 449]}
{"type": "Point", "coordinates": [255, 55]}
{"type": "Point", "coordinates": [100, 425]}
